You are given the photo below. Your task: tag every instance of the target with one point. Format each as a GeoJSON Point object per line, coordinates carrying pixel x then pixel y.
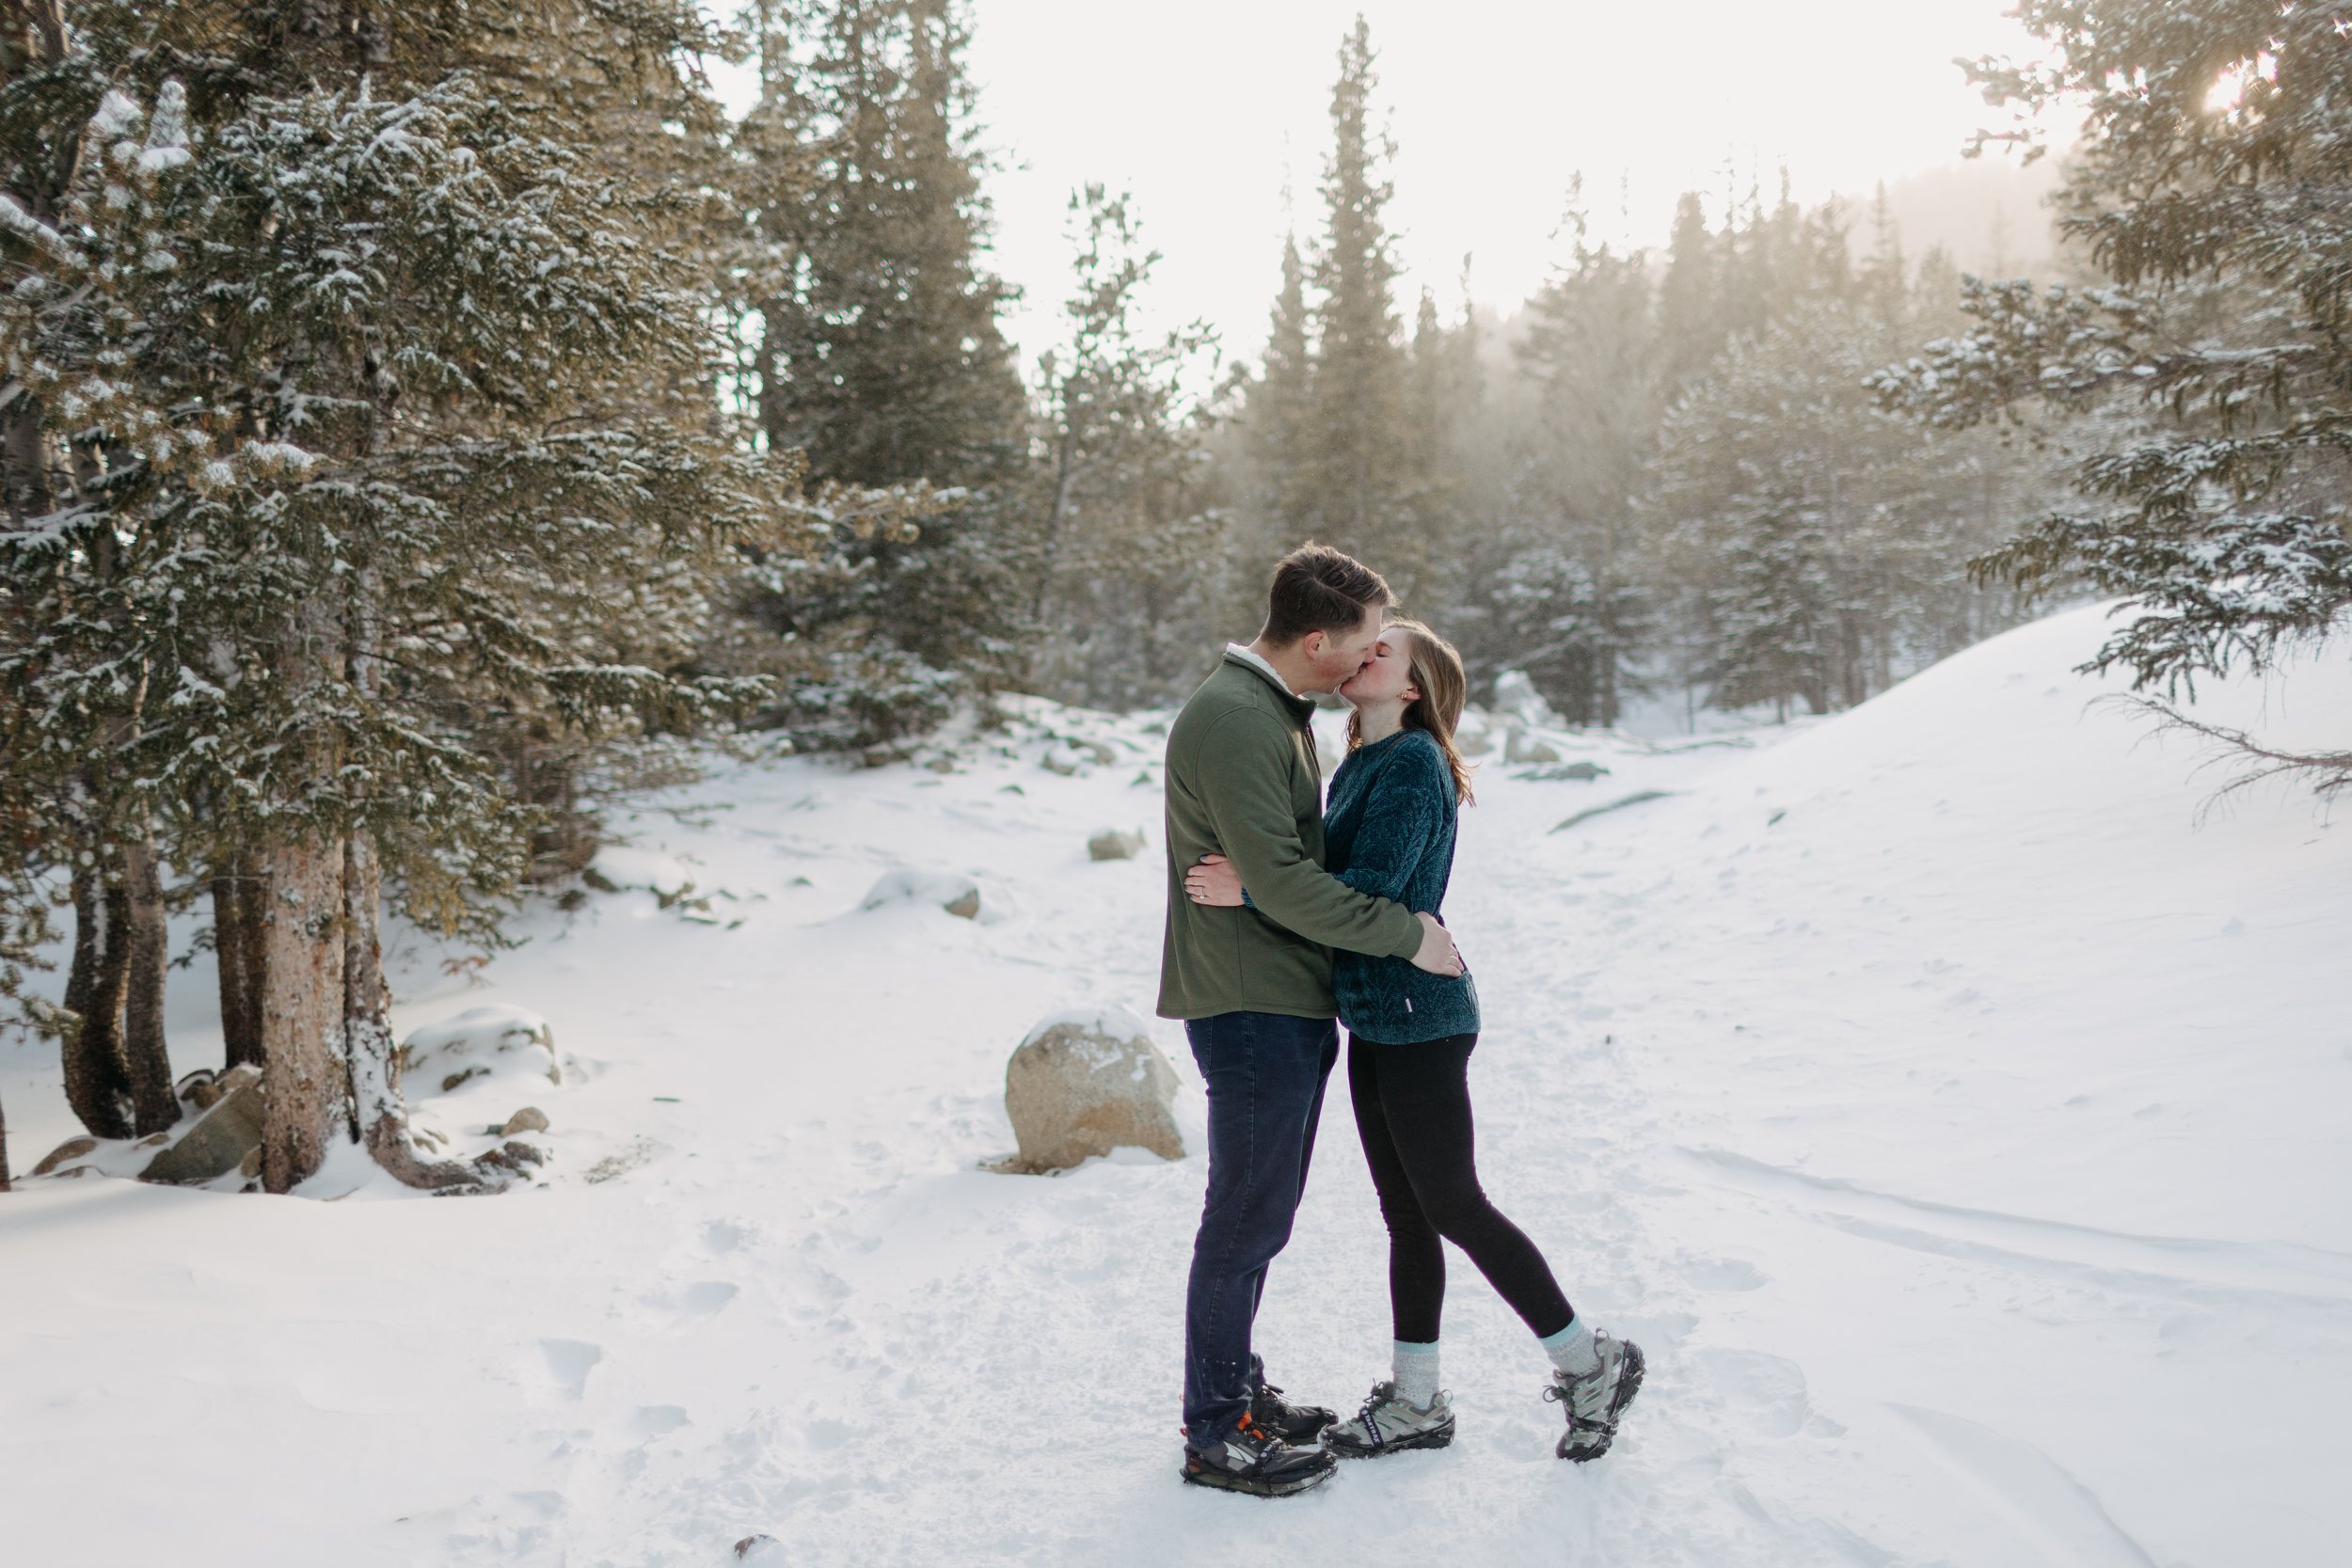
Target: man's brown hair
{"type": "Point", "coordinates": [1317, 588]}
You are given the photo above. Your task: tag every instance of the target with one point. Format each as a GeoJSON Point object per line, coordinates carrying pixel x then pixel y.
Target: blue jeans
{"type": "Point", "coordinates": [1265, 1073]}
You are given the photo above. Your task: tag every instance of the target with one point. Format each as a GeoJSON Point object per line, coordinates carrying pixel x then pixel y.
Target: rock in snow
{"type": "Point", "coordinates": [1083, 1083]}
{"type": "Point", "coordinates": [218, 1141]}
{"type": "Point", "coordinates": [480, 1041]}
{"type": "Point", "coordinates": [959, 895]}
{"type": "Point", "coordinates": [528, 1119]}
{"type": "Point", "coordinates": [1112, 845]}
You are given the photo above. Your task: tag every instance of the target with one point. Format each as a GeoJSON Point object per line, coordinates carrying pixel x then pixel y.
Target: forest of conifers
{"type": "Point", "coordinates": [418, 418]}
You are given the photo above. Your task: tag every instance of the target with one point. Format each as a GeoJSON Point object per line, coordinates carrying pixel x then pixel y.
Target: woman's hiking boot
{"type": "Point", "coordinates": [1389, 1423]}
{"type": "Point", "coordinates": [1292, 1424]}
{"type": "Point", "coordinates": [1255, 1461]}
{"type": "Point", "coordinates": [1595, 1399]}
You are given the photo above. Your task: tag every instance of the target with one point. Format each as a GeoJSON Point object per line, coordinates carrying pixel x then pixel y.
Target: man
{"type": "Point", "coordinates": [1253, 987]}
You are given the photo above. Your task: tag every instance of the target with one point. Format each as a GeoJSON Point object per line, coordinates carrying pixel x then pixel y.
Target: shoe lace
{"type": "Point", "coordinates": [1561, 1397]}
{"type": "Point", "coordinates": [1256, 1440]}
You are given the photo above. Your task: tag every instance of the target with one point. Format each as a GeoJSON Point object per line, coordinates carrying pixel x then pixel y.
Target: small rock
{"type": "Point", "coordinates": [1083, 1083]}
{"type": "Point", "coordinates": [1583, 772]}
{"type": "Point", "coordinates": [251, 1165]}
{"type": "Point", "coordinates": [217, 1141]}
{"type": "Point", "coordinates": [1062, 760]}
{"type": "Point", "coordinates": [528, 1119]}
{"type": "Point", "coordinates": [153, 1140]}
{"type": "Point", "coordinates": [511, 1156]}
{"type": "Point", "coordinates": [72, 1148]}
{"type": "Point", "coordinates": [760, 1548]}
{"type": "Point", "coordinates": [1112, 845]}
{"type": "Point", "coordinates": [942, 765]}
{"type": "Point", "coordinates": [1524, 747]}
{"type": "Point", "coordinates": [958, 896]}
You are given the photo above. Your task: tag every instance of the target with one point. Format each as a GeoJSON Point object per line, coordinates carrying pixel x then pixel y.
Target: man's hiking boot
{"type": "Point", "coordinates": [1595, 1400]}
{"type": "Point", "coordinates": [1292, 1423]}
{"type": "Point", "coordinates": [1388, 1424]}
{"type": "Point", "coordinates": [1255, 1461]}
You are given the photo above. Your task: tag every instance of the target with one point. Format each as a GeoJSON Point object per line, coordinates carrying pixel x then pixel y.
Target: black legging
{"type": "Point", "coordinates": [1413, 1112]}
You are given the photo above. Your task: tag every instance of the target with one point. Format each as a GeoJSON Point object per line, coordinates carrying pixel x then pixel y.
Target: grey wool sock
{"type": "Point", "coordinates": [1571, 1350]}
{"type": "Point", "coordinates": [1415, 1368]}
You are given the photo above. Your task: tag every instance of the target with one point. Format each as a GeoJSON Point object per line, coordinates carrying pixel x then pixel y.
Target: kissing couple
{"type": "Point", "coordinates": [1286, 919]}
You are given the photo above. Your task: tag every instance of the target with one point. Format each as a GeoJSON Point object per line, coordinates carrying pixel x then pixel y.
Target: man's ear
{"type": "Point", "coordinates": [1313, 644]}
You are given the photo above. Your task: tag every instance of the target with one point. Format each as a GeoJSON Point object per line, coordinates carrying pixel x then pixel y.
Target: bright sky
{"type": "Point", "coordinates": [1211, 110]}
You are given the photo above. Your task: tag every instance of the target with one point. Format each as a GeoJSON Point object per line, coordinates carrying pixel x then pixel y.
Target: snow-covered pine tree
{"type": "Point", "coordinates": [334, 334]}
{"type": "Point", "coordinates": [1273, 415]}
{"type": "Point", "coordinates": [877, 353]}
{"type": "Point", "coordinates": [1127, 577]}
{"type": "Point", "coordinates": [1451, 452]}
{"type": "Point", "coordinates": [1816, 542]}
{"type": "Point", "coordinates": [1571, 607]}
{"type": "Point", "coordinates": [2214, 185]}
{"type": "Point", "coordinates": [1356, 485]}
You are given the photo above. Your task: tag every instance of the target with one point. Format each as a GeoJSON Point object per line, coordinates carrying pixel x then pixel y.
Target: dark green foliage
{"type": "Point", "coordinates": [878, 354]}
{"type": "Point", "coordinates": [2212, 189]}
{"type": "Point", "coordinates": [1129, 554]}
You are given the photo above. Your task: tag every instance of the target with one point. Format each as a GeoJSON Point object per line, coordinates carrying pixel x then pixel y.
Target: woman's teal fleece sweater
{"type": "Point", "coordinates": [1389, 830]}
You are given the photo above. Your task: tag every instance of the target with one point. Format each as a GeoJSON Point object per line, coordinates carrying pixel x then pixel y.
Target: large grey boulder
{"type": "Point", "coordinates": [1083, 1083]}
{"type": "Point", "coordinates": [217, 1141]}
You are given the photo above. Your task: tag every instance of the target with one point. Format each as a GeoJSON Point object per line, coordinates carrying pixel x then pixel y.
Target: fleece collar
{"type": "Point", "coordinates": [1239, 653]}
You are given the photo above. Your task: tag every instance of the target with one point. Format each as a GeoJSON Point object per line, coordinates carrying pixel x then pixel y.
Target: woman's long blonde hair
{"type": "Point", "coordinates": [1435, 667]}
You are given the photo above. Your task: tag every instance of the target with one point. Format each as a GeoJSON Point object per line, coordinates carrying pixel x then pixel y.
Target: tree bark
{"type": "Point", "coordinates": [239, 900]}
{"type": "Point", "coordinates": [305, 1087]}
{"type": "Point", "coordinates": [147, 955]}
{"type": "Point", "coordinates": [97, 1076]}
{"type": "Point", "coordinates": [379, 1118]}
{"type": "Point", "coordinates": [3, 1149]}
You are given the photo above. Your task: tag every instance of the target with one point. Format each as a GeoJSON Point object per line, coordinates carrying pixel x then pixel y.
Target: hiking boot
{"type": "Point", "coordinates": [1389, 1423]}
{"type": "Point", "coordinates": [1292, 1424]}
{"type": "Point", "coordinates": [1595, 1400]}
{"type": "Point", "coordinates": [1255, 1461]}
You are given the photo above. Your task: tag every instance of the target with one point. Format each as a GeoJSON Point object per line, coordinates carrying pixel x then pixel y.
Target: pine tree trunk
{"type": "Point", "coordinates": [379, 1119]}
{"type": "Point", "coordinates": [97, 1078]}
{"type": "Point", "coordinates": [146, 962]}
{"type": "Point", "coordinates": [3, 1149]}
{"type": "Point", "coordinates": [238, 903]}
{"type": "Point", "coordinates": [305, 1088]}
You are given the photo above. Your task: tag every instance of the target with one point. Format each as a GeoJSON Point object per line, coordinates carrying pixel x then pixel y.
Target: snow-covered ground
{"type": "Point", "coordinates": [1957, 1120]}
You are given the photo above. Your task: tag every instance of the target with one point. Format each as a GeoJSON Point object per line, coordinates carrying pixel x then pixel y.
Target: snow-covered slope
{"type": "Point", "coordinates": [1954, 1117]}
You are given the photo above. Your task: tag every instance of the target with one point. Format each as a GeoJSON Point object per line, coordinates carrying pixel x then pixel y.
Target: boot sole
{"type": "Point", "coordinates": [1629, 1385]}
{"type": "Point", "coordinates": [1435, 1437]}
{"type": "Point", "coordinates": [1216, 1482]}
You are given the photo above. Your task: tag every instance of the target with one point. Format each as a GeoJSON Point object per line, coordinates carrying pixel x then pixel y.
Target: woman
{"type": "Point", "coordinates": [1389, 826]}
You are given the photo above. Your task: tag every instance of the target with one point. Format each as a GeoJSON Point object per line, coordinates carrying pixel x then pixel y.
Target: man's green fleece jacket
{"type": "Point", "coordinates": [1243, 782]}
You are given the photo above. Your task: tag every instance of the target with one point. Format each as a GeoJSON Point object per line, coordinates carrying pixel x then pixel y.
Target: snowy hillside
{"type": "Point", "coordinates": [1957, 1122]}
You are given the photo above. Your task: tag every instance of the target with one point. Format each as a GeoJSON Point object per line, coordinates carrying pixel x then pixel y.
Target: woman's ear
{"type": "Point", "coordinates": [1411, 695]}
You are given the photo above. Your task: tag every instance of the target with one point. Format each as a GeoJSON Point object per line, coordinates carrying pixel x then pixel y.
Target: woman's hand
{"type": "Point", "coordinates": [1213, 881]}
